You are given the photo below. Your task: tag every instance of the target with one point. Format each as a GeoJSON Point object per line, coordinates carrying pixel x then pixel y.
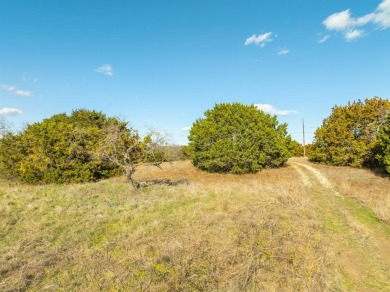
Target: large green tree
{"type": "Point", "coordinates": [349, 135]}
{"type": "Point", "coordinates": [59, 149]}
{"type": "Point", "coordinates": [236, 138]}
{"type": "Point", "coordinates": [383, 146]}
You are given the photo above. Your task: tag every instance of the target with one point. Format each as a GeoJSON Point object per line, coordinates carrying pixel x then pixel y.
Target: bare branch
{"type": "Point", "coordinates": [124, 148]}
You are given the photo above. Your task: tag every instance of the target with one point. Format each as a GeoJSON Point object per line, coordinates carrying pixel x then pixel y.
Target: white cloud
{"type": "Point", "coordinates": [14, 90]}
{"type": "Point", "coordinates": [270, 109]}
{"type": "Point", "coordinates": [7, 87]}
{"type": "Point", "coordinates": [186, 129]}
{"type": "Point", "coordinates": [382, 14]}
{"type": "Point", "coordinates": [353, 34]}
{"type": "Point", "coordinates": [323, 39]}
{"type": "Point", "coordinates": [338, 21]}
{"type": "Point", "coordinates": [23, 92]}
{"type": "Point", "coordinates": [283, 51]}
{"type": "Point", "coordinates": [260, 40]}
{"type": "Point", "coordinates": [348, 25]}
{"type": "Point", "coordinates": [6, 111]}
{"type": "Point", "coordinates": [105, 69]}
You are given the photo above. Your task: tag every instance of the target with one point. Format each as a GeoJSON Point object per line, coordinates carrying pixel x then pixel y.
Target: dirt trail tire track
{"type": "Point", "coordinates": [318, 175]}
{"type": "Point", "coordinates": [362, 247]}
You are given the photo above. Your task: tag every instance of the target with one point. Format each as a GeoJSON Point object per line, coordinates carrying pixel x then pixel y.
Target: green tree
{"type": "Point", "coordinates": [185, 152]}
{"type": "Point", "coordinates": [59, 149]}
{"type": "Point", "coordinates": [236, 138]}
{"type": "Point", "coordinates": [383, 146]}
{"type": "Point", "coordinates": [296, 149]}
{"type": "Point", "coordinates": [349, 135]}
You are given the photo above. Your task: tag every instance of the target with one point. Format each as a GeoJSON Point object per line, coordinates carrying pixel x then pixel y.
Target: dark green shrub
{"type": "Point", "coordinates": [236, 138]}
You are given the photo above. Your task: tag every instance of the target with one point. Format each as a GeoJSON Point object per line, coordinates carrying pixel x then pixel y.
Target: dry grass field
{"type": "Point", "coordinates": [304, 227]}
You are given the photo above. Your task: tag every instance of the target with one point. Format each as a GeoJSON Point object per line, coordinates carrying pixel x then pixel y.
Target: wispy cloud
{"type": "Point", "coordinates": [270, 109]}
{"type": "Point", "coordinates": [105, 69]}
{"type": "Point", "coordinates": [283, 51]}
{"type": "Point", "coordinates": [353, 34]}
{"type": "Point", "coordinates": [6, 111]}
{"type": "Point", "coordinates": [349, 26]}
{"type": "Point", "coordinates": [323, 39]}
{"type": "Point", "coordinates": [7, 87]}
{"type": "Point", "coordinates": [22, 92]}
{"type": "Point", "coordinates": [260, 40]}
{"type": "Point", "coordinates": [14, 90]}
{"type": "Point", "coordinates": [186, 129]}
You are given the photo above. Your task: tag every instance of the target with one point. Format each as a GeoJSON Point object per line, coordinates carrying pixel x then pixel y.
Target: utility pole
{"type": "Point", "coordinates": [303, 136]}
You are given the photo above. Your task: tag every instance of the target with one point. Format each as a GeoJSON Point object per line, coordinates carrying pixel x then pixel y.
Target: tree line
{"type": "Point", "coordinates": [230, 138]}
{"type": "Point", "coordinates": [81, 147]}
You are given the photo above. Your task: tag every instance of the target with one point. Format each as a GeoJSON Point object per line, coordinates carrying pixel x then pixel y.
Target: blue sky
{"type": "Point", "coordinates": [164, 63]}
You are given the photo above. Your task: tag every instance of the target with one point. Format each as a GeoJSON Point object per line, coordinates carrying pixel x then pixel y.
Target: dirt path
{"type": "Point", "coordinates": [361, 241]}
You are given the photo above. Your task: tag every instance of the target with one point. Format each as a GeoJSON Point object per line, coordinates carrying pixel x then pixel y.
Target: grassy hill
{"type": "Point", "coordinates": [275, 230]}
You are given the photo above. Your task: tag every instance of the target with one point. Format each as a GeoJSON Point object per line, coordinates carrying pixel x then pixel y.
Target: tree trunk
{"type": "Point", "coordinates": [129, 172]}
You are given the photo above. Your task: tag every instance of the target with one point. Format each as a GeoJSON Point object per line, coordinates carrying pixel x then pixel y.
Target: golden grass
{"type": "Point", "coordinates": [359, 236]}
{"type": "Point", "coordinates": [364, 185]}
{"type": "Point", "coordinates": [256, 232]}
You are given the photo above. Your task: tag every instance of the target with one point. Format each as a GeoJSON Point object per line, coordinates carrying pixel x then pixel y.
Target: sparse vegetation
{"type": "Point", "coordinates": [303, 227]}
{"type": "Point", "coordinates": [123, 148]}
{"type": "Point", "coordinates": [264, 231]}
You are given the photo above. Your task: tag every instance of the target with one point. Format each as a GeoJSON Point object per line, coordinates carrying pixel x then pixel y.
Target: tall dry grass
{"type": "Point", "coordinates": [220, 232]}
{"type": "Point", "coordinates": [371, 189]}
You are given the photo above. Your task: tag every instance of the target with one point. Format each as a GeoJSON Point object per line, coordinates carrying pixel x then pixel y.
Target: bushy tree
{"type": "Point", "coordinates": [349, 135]}
{"type": "Point", "coordinates": [236, 138]}
{"type": "Point", "coordinates": [185, 152]}
{"type": "Point", "coordinates": [296, 149]}
{"type": "Point", "coordinates": [59, 149]}
{"type": "Point", "coordinates": [383, 146]}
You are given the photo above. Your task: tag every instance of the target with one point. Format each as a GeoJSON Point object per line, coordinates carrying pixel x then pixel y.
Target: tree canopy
{"type": "Point", "coordinates": [236, 138]}
{"type": "Point", "coordinates": [59, 149]}
{"type": "Point", "coordinates": [349, 135]}
{"type": "Point", "coordinates": [383, 146]}
{"type": "Point", "coordinates": [296, 149]}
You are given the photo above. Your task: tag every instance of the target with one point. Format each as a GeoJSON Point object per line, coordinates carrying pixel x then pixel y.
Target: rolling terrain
{"type": "Point", "coordinates": [302, 227]}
